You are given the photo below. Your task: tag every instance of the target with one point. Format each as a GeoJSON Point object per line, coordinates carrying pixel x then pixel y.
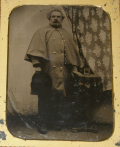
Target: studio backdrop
{"type": "Point", "coordinates": [89, 26]}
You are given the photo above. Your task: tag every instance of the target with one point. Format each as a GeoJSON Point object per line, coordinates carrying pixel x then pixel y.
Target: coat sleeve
{"type": "Point", "coordinates": [35, 61]}
{"type": "Point", "coordinates": [74, 56]}
{"type": "Point", "coordinates": [37, 47]}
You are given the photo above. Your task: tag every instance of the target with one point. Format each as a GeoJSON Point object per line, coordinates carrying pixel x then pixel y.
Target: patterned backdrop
{"type": "Point", "coordinates": [91, 27]}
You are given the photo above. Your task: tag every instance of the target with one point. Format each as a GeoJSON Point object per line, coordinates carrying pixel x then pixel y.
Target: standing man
{"type": "Point", "coordinates": [52, 51]}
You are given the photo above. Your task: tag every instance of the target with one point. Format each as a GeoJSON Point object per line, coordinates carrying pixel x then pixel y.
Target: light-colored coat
{"type": "Point", "coordinates": [57, 53]}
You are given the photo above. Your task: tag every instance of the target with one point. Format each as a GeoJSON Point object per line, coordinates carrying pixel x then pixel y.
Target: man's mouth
{"type": "Point", "coordinates": [55, 22]}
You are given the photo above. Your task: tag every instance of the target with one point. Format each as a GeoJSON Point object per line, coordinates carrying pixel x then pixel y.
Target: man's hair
{"type": "Point", "coordinates": [49, 14]}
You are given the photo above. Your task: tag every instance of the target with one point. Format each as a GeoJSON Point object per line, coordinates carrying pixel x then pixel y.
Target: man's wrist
{"type": "Point", "coordinates": [36, 65]}
{"type": "Point", "coordinates": [37, 68]}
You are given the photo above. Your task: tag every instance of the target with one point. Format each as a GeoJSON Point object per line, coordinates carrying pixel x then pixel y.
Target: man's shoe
{"type": "Point", "coordinates": [42, 129]}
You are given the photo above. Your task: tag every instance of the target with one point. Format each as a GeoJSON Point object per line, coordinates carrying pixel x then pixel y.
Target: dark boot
{"type": "Point", "coordinates": [42, 129]}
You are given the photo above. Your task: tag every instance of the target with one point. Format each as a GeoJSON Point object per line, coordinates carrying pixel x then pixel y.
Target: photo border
{"type": "Point", "coordinates": [112, 8]}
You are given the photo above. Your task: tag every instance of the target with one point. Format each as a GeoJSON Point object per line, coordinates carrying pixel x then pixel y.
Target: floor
{"type": "Point", "coordinates": [26, 129]}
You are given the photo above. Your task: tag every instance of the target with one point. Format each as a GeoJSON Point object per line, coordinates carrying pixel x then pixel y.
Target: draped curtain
{"type": "Point", "coordinates": [91, 31]}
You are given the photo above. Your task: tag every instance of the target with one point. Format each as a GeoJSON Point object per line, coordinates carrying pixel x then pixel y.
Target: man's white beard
{"type": "Point", "coordinates": [56, 24]}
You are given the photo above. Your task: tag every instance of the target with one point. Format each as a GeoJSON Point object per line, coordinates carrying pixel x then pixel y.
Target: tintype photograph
{"type": "Point", "coordinates": [59, 73]}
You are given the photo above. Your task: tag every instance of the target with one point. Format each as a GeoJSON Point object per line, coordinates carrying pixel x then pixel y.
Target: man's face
{"type": "Point", "coordinates": [56, 19]}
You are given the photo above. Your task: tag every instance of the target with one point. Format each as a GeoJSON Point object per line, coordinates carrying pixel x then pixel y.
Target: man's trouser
{"type": "Point", "coordinates": [48, 110]}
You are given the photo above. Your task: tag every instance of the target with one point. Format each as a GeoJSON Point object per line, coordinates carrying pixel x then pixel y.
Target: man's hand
{"type": "Point", "coordinates": [36, 63]}
{"type": "Point", "coordinates": [75, 72]}
{"type": "Point", "coordinates": [37, 69]}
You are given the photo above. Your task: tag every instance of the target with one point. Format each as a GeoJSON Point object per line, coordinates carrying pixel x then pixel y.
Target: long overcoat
{"type": "Point", "coordinates": [56, 51]}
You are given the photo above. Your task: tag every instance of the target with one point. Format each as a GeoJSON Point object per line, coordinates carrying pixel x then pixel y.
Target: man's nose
{"type": "Point", "coordinates": [56, 18]}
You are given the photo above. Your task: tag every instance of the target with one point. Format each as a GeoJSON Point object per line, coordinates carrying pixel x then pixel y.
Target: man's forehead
{"type": "Point", "coordinates": [56, 13]}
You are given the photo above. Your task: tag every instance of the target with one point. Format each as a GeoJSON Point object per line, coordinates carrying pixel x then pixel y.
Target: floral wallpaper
{"type": "Point", "coordinates": [91, 27]}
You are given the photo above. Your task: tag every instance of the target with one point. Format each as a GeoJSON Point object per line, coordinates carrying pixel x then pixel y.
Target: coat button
{"type": "Point", "coordinates": [61, 68]}
{"type": "Point", "coordinates": [54, 66]}
{"type": "Point", "coordinates": [62, 53]}
{"type": "Point", "coordinates": [53, 38]}
{"type": "Point", "coordinates": [54, 52]}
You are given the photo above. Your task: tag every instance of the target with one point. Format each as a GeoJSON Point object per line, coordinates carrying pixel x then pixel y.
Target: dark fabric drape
{"type": "Point", "coordinates": [91, 31]}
